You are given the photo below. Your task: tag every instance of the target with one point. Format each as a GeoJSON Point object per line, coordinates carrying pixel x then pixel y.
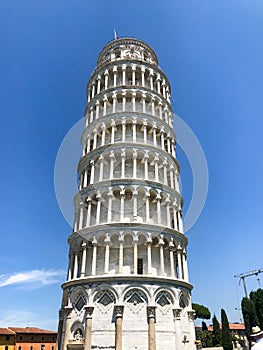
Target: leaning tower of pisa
{"type": "Point", "coordinates": [127, 286]}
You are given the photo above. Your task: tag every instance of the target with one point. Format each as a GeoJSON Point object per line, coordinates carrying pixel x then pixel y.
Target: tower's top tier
{"type": "Point", "coordinates": [127, 49]}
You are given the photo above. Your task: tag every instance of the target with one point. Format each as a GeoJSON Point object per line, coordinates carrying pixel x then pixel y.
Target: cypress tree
{"type": "Point", "coordinates": [204, 326]}
{"type": "Point", "coordinates": [257, 298]}
{"type": "Point", "coordinates": [249, 314]}
{"type": "Point", "coordinates": [226, 334]}
{"type": "Point", "coordinates": [217, 334]}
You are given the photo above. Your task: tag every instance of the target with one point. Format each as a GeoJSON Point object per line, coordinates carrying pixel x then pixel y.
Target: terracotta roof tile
{"type": "Point", "coordinates": [6, 331]}
{"type": "Point", "coordinates": [232, 326]}
{"type": "Point", "coordinates": [34, 330]}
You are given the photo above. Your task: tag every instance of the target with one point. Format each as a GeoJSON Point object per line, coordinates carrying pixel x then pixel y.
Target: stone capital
{"type": "Point", "coordinates": [118, 310]}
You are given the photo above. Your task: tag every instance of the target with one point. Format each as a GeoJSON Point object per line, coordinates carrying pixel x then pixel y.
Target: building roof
{"type": "Point", "coordinates": [6, 331]}
{"type": "Point", "coordinates": [34, 330]}
{"type": "Point", "coordinates": [232, 327]}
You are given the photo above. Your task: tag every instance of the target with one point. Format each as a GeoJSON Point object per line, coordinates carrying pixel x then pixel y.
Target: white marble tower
{"type": "Point", "coordinates": [127, 286]}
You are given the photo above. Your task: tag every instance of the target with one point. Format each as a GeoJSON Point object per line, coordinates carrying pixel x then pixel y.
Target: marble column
{"type": "Point", "coordinates": [151, 327]}
{"type": "Point", "coordinates": [68, 310]}
{"type": "Point", "coordinates": [118, 311]}
{"type": "Point", "coordinates": [88, 327]}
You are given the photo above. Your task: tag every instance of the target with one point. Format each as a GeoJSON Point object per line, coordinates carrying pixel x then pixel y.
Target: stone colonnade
{"type": "Point", "coordinates": [128, 130]}
{"type": "Point", "coordinates": [101, 257]}
{"type": "Point", "coordinates": [128, 74]}
{"type": "Point", "coordinates": [128, 204]}
{"type": "Point", "coordinates": [128, 100]}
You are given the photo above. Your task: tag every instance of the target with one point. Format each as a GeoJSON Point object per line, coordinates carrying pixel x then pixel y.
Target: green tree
{"type": "Point", "coordinates": [217, 334]}
{"type": "Point", "coordinates": [249, 314]}
{"type": "Point", "coordinates": [204, 326]}
{"type": "Point", "coordinates": [226, 334]}
{"type": "Point", "coordinates": [257, 298]}
{"type": "Point", "coordinates": [201, 311]}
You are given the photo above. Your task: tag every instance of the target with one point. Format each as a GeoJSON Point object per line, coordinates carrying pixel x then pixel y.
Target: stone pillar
{"type": "Point", "coordinates": [88, 201]}
{"type": "Point", "coordinates": [106, 74]}
{"type": "Point", "coordinates": [85, 183]}
{"type": "Point", "coordinates": [122, 195]}
{"type": "Point", "coordinates": [103, 129]}
{"type": "Point", "coordinates": [153, 106]}
{"type": "Point", "coordinates": [94, 257]}
{"type": "Point", "coordinates": [91, 114]}
{"type": "Point", "coordinates": [179, 261]}
{"type": "Point", "coordinates": [75, 271]}
{"type": "Point", "coordinates": [133, 102]}
{"type": "Point", "coordinates": [68, 310]}
{"type": "Point", "coordinates": [158, 204]}
{"type": "Point", "coordinates": [123, 129]}
{"type": "Point", "coordinates": [112, 159]}
{"type": "Point", "coordinates": [97, 104]}
{"type": "Point", "coordinates": [70, 267]}
{"type": "Point", "coordinates": [134, 156]}
{"type": "Point", "coordinates": [147, 206]}
{"type": "Point", "coordinates": [171, 176]}
{"type": "Point", "coordinates": [98, 85]}
{"type": "Point", "coordinates": [133, 74]}
{"type": "Point", "coordinates": [114, 100]}
{"type": "Point", "coordinates": [124, 74]}
{"type": "Point", "coordinates": [177, 327]}
{"type": "Point", "coordinates": [168, 217]}
{"type": "Point", "coordinates": [81, 215]}
{"type": "Point", "coordinates": [158, 83]}
{"type": "Point", "coordinates": [107, 254]}
{"type": "Point", "coordinates": [134, 130]}
{"type": "Point", "coordinates": [84, 257]}
{"type": "Point", "coordinates": [121, 253]}
{"type": "Point", "coordinates": [113, 126]}
{"type": "Point", "coordinates": [101, 161]}
{"type": "Point", "coordinates": [110, 195]}
{"type": "Point", "coordinates": [185, 267]}
{"type": "Point", "coordinates": [151, 79]}
{"type": "Point", "coordinates": [143, 103]}
{"type": "Point", "coordinates": [135, 202]}
{"type": "Point", "coordinates": [151, 327]}
{"type": "Point", "coordinates": [88, 327]}
{"type": "Point", "coordinates": [146, 158]}
{"type": "Point", "coordinates": [93, 89]}
{"type": "Point", "coordinates": [143, 79]}
{"type": "Point", "coordinates": [165, 179]}
{"type": "Point", "coordinates": [123, 101]}
{"type": "Point", "coordinates": [154, 135]}
{"type": "Point", "coordinates": [118, 311]}
{"type": "Point", "coordinates": [156, 171]}
{"type": "Point", "coordinates": [161, 244]}
{"type": "Point", "coordinates": [99, 198]}
{"type": "Point", "coordinates": [135, 254]}
{"type": "Point", "coordinates": [162, 138]}
{"type": "Point", "coordinates": [180, 221]}
{"type": "Point", "coordinates": [92, 171]}
{"type": "Point", "coordinates": [171, 252]}
{"type": "Point", "coordinates": [149, 256]}
{"type": "Point", "coordinates": [114, 76]}
{"type": "Point", "coordinates": [123, 157]}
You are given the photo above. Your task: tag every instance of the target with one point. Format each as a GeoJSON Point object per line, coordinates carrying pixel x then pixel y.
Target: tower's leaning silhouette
{"type": "Point", "coordinates": [127, 285]}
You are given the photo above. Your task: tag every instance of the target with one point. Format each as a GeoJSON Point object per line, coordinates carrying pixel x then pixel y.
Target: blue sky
{"type": "Point", "coordinates": [211, 51]}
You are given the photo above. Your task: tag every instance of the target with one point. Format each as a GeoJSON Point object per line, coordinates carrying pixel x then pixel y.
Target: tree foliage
{"type": "Point", "coordinates": [201, 311]}
{"type": "Point", "coordinates": [249, 314]}
{"type": "Point", "coordinates": [204, 326]}
{"type": "Point", "coordinates": [226, 334]}
{"type": "Point", "coordinates": [257, 298]}
{"type": "Point", "coordinates": [217, 334]}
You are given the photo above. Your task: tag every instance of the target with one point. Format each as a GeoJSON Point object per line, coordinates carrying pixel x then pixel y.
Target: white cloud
{"type": "Point", "coordinates": [33, 278]}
